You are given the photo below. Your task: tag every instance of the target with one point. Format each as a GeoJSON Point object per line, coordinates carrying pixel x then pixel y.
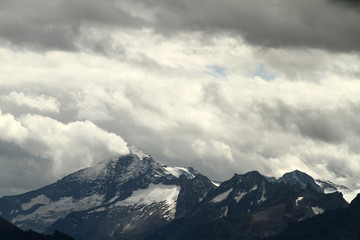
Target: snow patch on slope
{"type": "Point", "coordinates": [52, 211]}
{"type": "Point", "coordinates": [41, 199]}
{"type": "Point", "coordinates": [298, 200]}
{"type": "Point", "coordinates": [154, 193]}
{"type": "Point", "coordinates": [263, 198]}
{"type": "Point", "coordinates": [221, 197]}
{"type": "Point", "coordinates": [177, 171]}
{"type": "Point", "coordinates": [239, 196]}
{"type": "Point", "coordinates": [216, 184]}
{"type": "Point", "coordinates": [226, 210]}
{"type": "Point", "coordinates": [100, 209]}
{"type": "Point", "coordinates": [317, 210]}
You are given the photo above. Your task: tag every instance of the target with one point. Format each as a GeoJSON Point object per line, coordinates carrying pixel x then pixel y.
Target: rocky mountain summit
{"type": "Point", "coordinates": [119, 198]}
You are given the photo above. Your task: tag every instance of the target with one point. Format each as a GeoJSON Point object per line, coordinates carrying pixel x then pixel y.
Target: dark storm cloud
{"type": "Point", "coordinates": [322, 24]}
{"type": "Point", "coordinates": [278, 23]}
{"type": "Point", "coordinates": [55, 24]}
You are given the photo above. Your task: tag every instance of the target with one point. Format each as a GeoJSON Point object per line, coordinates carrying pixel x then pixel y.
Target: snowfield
{"type": "Point", "coordinates": [154, 193]}
{"type": "Point", "coordinates": [221, 197]}
{"type": "Point", "coordinates": [51, 211]}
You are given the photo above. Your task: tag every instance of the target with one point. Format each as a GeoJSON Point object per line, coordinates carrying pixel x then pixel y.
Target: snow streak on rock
{"type": "Point", "coordinates": [158, 193]}
{"type": "Point", "coordinates": [154, 193]}
{"type": "Point", "coordinates": [177, 171]}
{"type": "Point", "coordinates": [298, 200]}
{"type": "Point", "coordinates": [41, 199]}
{"type": "Point", "coordinates": [221, 197]}
{"type": "Point", "coordinates": [317, 210]}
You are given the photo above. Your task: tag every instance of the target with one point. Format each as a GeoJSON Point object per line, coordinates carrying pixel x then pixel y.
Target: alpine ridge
{"type": "Point", "coordinates": [134, 197]}
{"type": "Point", "coordinates": [249, 206]}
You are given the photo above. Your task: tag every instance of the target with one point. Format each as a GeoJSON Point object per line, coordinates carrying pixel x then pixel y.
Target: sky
{"type": "Point", "coordinates": [223, 86]}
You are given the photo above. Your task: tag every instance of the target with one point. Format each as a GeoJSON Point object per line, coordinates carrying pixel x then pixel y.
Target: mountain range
{"type": "Point", "coordinates": [135, 197]}
{"type": "Point", "coordinates": [249, 207]}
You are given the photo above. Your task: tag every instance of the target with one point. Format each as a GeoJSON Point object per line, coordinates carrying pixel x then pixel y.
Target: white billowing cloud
{"type": "Point", "coordinates": [158, 94]}
{"type": "Point", "coordinates": [67, 147]}
{"type": "Point", "coordinates": [71, 146]}
{"type": "Point", "coordinates": [40, 102]}
{"type": "Point", "coordinates": [10, 129]}
{"type": "Point", "coordinates": [212, 149]}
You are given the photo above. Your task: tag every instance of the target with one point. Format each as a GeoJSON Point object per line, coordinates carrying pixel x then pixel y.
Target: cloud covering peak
{"type": "Point", "coordinates": [55, 148]}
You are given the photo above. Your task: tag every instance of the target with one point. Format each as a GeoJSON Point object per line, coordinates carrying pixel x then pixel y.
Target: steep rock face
{"type": "Point", "coordinates": [11, 232]}
{"type": "Point", "coordinates": [125, 198]}
{"type": "Point", "coordinates": [192, 192]}
{"type": "Point", "coordinates": [338, 224]}
{"type": "Point", "coordinates": [249, 207]}
{"type": "Point", "coordinates": [269, 220]}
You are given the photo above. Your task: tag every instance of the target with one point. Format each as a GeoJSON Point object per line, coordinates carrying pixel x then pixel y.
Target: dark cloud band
{"type": "Point", "coordinates": [56, 25]}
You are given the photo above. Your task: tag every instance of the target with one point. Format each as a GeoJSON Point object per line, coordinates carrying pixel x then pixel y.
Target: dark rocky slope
{"type": "Point", "coordinates": [338, 224]}
{"type": "Point", "coordinates": [10, 232]}
{"type": "Point", "coordinates": [249, 207]}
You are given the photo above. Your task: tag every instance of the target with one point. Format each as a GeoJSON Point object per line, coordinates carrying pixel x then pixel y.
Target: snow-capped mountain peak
{"type": "Point", "coordinates": [135, 151]}
{"type": "Point", "coordinates": [129, 185]}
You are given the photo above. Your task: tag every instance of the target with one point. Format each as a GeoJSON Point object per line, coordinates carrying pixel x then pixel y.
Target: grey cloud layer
{"type": "Point", "coordinates": [55, 25]}
{"type": "Point", "coordinates": [58, 24]}
{"type": "Point", "coordinates": [279, 23]}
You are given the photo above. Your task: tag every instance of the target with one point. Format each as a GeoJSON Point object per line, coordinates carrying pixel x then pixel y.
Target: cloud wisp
{"type": "Point", "coordinates": [41, 102]}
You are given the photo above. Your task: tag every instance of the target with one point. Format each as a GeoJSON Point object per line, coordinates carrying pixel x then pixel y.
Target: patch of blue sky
{"type": "Point", "coordinates": [216, 71]}
{"type": "Point", "coordinates": [262, 72]}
